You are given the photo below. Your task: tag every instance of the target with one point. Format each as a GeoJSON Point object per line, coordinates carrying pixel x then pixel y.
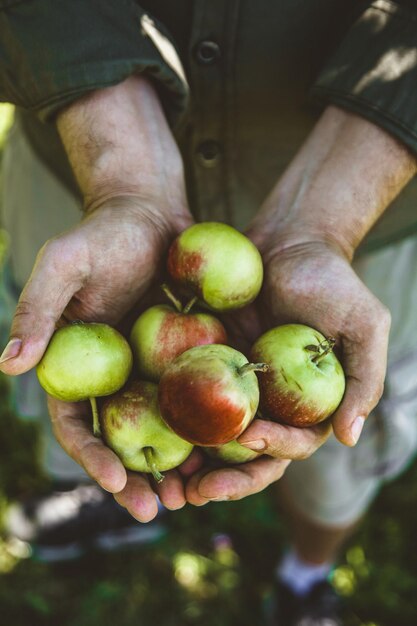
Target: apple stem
{"type": "Point", "coordinates": [190, 304]}
{"type": "Point", "coordinates": [252, 367]}
{"type": "Point", "coordinates": [148, 452]}
{"type": "Point", "coordinates": [96, 422]}
{"type": "Point", "coordinates": [167, 291]}
{"type": "Point", "coordinates": [323, 350]}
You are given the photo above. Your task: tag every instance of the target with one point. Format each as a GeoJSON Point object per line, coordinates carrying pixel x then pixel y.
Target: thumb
{"type": "Point", "coordinates": [365, 367]}
{"type": "Point", "coordinates": [57, 275]}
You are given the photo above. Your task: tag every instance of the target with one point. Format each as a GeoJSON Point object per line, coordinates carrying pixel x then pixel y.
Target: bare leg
{"type": "Point", "coordinates": [313, 543]}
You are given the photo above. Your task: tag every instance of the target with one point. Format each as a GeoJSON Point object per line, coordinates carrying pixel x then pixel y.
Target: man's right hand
{"type": "Point", "coordinates": [130, 172]}
{"type": "Point", "coordinates": [95, 272]}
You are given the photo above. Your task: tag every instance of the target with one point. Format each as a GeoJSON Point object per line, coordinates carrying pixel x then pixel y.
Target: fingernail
{"type": "Point", "coordinates": [258, 446]}
{"type": "Point", "coordinates": [11, 350]}
{"type": "Point", "coordinates": [356, 429]}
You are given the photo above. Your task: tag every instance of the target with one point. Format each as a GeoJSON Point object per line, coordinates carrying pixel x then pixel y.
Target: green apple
{"type": "Point", "coordinates": [305, 382]}
{"type": "Point", "coordinates": [219, 264]}
{"type": "Point", "coordinates": [132, 426]}
{"type": "Point", "coordinates": [163, 332]}
{"type": "Point", "coordinates": [85, 361]}
{"type": "Point", "coordinates": [209, 394]}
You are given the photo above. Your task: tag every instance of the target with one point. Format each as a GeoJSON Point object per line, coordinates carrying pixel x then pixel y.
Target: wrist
{"type": "Point", "coordinates": [341, 181]}
{"type": "Point", "coordinates": [141, 210]}
{"type": "Point", "coordinates": [276, 230]}
{"type": "Point", "coordinates": [120, 146]}
{"type": "Point", "coordinates": [289, 244]}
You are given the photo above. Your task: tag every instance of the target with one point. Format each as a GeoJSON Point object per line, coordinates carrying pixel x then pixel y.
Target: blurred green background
{"type": "Point", "coordinates": [191, 576]}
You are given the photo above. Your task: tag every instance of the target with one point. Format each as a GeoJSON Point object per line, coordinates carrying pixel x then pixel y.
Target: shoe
{"type": "Point", "coordinates": [320, 607]}
{"type": "Point", "coordinates": [68, 522]}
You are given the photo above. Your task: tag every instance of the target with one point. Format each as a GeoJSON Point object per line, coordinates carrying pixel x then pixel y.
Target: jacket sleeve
{"type": "Point", "coordinates": [54, 51]}
{"type": "Point", "coordinates": [374, 71]}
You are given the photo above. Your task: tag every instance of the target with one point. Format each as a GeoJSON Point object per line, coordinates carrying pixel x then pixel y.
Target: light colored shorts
{"type": "Point", "coordinates": [336, 485]}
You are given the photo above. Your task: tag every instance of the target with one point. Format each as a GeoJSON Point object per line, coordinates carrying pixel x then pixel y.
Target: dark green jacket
{"type": "Point", "coordinates": [257, 74]}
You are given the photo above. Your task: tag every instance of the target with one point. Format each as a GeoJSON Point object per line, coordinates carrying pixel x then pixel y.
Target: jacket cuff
{"type": "Point", "coordinates": [52, 52]}
{"type": "Point", "coordinates": [374, 71]}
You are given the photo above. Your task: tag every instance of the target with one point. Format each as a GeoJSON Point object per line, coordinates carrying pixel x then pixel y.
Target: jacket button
{"type": "Point", "coordinates": [207, 52]}
{"type": "Point", "coordinates": [208, 153]}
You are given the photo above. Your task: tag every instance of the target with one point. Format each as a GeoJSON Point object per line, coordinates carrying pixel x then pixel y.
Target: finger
{"type": "Point", "coordinates": [192, 464]}
{"type": "Point", "coordinates": [71, 424]}
{"type": "Point", "coordinates": [240, 481]}
{"type": "Point", "coordinates": [365, 363]}
{"type": "Point", "coordinates": [138, 498]}
{"type": "Point", "coordinates": [171, 491]}
{"type": "Point", "coordinates": [284, 442]}
{"type": "Point", "coordinates": [54, 280]}
{"type": "Point", "coordinates": [192, 493]}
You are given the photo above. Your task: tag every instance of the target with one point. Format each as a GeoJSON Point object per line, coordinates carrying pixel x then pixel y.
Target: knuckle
{"type": "Point", "coordinates": [50, 250]}
{"type": "Point", "coordinates": [302, 455]}
{"type": "Point", "coordinates": [283, 468]}
{"type": "Point", "coordinates": [85, 450]}
{"type": "Point", "coordinates": [304, 452]}
{"type": "Point", "coordinates": [51, 259]}
{"type": "Point", "coordinates": [24, 309]}
{"type": "Point", "coordinates": [58, 254]}
{"type": "Point", "coordinates": [375, 322]}
{"type": "Point", "coordinates": [291, 450]}
{"type": "Point", "coordinates": [375, 393]}
{"type": "Point", "coordinates": [276, 451]}
{"type": "Point", "coordinates": [383, 319]}
{"type": "Point", "coordinates": [284, 450]}
{"type": "Point", "coordinates": [378, 393]}
{"type": "Point", "coordinates": [272, 435]}
{"type": "Point", "coordinates": [239, 496]}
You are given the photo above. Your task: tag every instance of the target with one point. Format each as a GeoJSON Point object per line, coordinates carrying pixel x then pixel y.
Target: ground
{"type": "Point", "coordinates": [213, 566]}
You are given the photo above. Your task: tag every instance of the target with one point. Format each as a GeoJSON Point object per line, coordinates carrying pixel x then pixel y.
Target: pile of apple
{"type": "Point", "coordinates": [189, 387]}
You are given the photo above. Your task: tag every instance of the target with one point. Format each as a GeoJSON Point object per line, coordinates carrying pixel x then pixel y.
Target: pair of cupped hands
{"type": "Point", "coordinates": [130, 172]}
{"type": "Point", "coordinates": [102, 268]}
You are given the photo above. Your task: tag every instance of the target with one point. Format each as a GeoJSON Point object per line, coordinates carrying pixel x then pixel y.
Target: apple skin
{"type": "Point", "coordinates": [296, 390]}
{"type": "Point", "coordinates": [232, 452]}
{"type": "Point", "coordinates": [219, 264]}
{"type": "Point", "coordinates": [161, 334]}
{"type": "Point", "coordinates": [85, 361]}
{"type": "Point", "coordinates": [131, 421]}
{"type": "Point", "coordinates": [204, 398]}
